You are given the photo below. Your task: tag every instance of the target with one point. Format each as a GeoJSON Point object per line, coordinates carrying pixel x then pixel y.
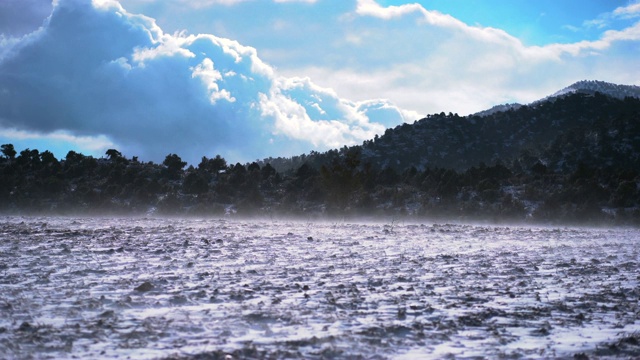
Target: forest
{"type": "Point", "coordinates": [584, 173]}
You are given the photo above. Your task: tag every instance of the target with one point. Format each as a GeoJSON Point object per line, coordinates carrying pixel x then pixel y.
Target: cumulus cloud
{"type": "Point", "coordinates": [430, 62]}
{"type": "Point", "coordinates": [372, 8]}
{"type": "Point", "coordinates": [629, 11]}
{"type": "Point", "coordinates": [293, 118]}
{"type": "Point", "coordinates": [418, 58]}
{"type": "Point", "coordinates": [91, 143]}
{"type": "Point", "coordinates": [96, 71]}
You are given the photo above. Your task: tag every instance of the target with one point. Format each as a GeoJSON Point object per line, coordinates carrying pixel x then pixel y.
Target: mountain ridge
{"type": "Point", "coordinates": [618, 91]}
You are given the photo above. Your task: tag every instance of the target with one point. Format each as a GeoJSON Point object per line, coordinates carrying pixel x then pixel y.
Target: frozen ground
{"type": "Point", "coordinates": [157, 288]}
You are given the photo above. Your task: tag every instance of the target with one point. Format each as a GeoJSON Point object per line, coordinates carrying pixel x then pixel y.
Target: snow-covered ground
{"type": "Point", "coordinates": [169, 288]}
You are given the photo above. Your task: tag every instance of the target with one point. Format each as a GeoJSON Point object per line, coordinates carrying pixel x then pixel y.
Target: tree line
{"type": "Point", "coordinates": [342, 185]}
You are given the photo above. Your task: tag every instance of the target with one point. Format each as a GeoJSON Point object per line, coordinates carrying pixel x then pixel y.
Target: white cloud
{"type": "Point", "coordinates": [609, 37]}
{"type": "Point", "coordinates": [599, 23]}
{"type": "Point", "coordinates": [372, 8]}
{"type": "Point", "coordinates": [338, 122]}
{"type": "Point", "coordinates": [430, 62]}
{"type": "Point", "coordinates": [488, 35]}
{"type": "Point", "coordinates": [210, 76]}
{"type": "Point", "coordinates": [150, 93]}
{"type": "Point", "coordinates": [165, 45]}
{"type": "Point", "coordinates": [606, 19]}
{"type": "Point", "coordinates": [88, 144]}
{"type": "Point", "coordinates": [629, 11]}
{"type": "Point", "coordinates": [92, 143]}
{"type": "Point", "coordinates": [292, 120]}
{"type": "Point", "coordinates": [571, 28]}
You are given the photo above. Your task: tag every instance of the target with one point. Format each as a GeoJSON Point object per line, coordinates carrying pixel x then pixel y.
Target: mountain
{"type": "Point", "coordinates": [499, 108]}
{"type": "Point", "coordinates": [570, 157]}
{"type": "Point", "coordinates": [585, 87]}
{"type": "Point", "coordinates": [577, 124]}
{"type": "Point", "coordinates": [592, 86]}
{"type": "Point", "coordinates": [590, 121]}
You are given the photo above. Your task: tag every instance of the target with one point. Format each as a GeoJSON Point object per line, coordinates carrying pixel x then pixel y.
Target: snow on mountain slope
{"type": "Point", "coordinates": [592, 86]}
{"type": "Point", "coordinates": [585, 86]}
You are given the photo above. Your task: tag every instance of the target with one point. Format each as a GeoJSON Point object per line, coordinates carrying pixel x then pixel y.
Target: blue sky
{"type": "Point", "coordinates": [538, 22]}
{"type": "Point", "coordinates": [254, 78]}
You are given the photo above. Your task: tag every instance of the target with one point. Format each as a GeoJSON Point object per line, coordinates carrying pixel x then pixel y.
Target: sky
{"type": "Point", "coordinates": [248, 79]}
